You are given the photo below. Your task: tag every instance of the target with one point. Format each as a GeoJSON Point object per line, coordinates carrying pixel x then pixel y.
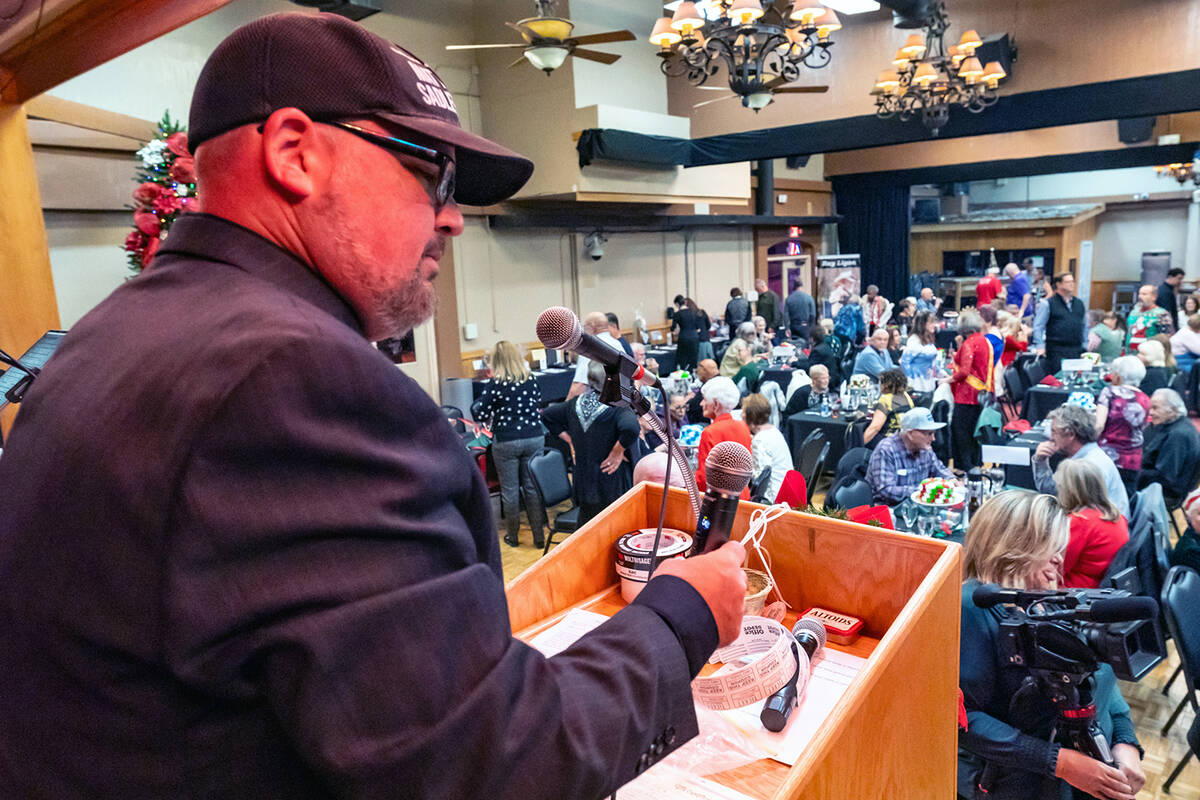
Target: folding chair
{"type": "Point", "coordinates": [548, 473]}
{"type": "Point", "coordinates": [1180, 599]}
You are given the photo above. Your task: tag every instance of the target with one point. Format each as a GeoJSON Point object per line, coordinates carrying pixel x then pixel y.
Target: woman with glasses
{"type": "Point", "coordinates": [1017, 540]}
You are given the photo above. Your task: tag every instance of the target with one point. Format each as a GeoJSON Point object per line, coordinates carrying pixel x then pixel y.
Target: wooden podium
{"type": "Point", "coordinates": [893, 734]}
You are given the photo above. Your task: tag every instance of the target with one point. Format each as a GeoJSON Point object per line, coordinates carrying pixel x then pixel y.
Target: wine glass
{"type": "Point", "coordinates": [907, 512]}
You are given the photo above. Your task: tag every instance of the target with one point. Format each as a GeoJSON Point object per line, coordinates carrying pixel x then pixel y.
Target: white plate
{"type": "Point", "coordinates": [958, 497]}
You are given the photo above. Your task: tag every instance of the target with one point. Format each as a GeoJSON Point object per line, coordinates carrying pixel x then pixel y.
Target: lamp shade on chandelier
{"type": "Point", "coordinates": [1182, 171]}
{"type": "Point", "coordinates": [927, 79]}
{"type": "Point", "coordinates": [761, 45]}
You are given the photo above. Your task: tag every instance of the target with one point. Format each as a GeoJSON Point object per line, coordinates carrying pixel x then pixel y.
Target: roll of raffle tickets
{"type": "Point", "coordinates": [756, 665]}
{"type": "Point", "coordinates": [633, 556]}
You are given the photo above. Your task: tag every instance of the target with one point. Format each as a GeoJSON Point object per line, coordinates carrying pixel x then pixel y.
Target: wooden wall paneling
{"type": "Point", "coordinates": [925, 249]}
{"type": "Point", "coordinates": [30, 306]}
{"type": "Point", "coordinates": [85, 34]}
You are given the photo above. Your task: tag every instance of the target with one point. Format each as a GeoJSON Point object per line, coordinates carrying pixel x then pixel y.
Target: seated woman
{"type": "Point", "coordinates": [812, 395]}
{"type": "Point", "coordinates": [1016, 540]}
{"type": "Point", "coordinates": [894, 400]}
{"type": "Point", "coordinates": [1185, 343]}
{"type": "Point", "coordinates": [1097, 528]}
{"type": "Point", "coordinates": [1105, 336]}
{"type": "Point", "coordinates": [769, 448]}
{"type": "Point", "coordinates": [740, 351]}
{"type": "Point", "coordinates": [599, 435]}
{"type": "Point", "coordinates": [1121, 411]}
{"type": "Point", "coordinates": [1154, 356]}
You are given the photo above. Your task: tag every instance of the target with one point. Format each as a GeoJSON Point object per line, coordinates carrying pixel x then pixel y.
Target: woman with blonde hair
{"type": "Point", "coordinates": [1016, 540]}
{"type": "Point", "coordinates": [509, 405]}
{"type": "Point", "coordinates": [1097, 528]}
{"type": "Point", "coordinates": [1155, 353]}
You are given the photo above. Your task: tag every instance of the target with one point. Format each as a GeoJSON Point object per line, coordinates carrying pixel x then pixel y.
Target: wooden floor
{"type": "Point", "coordinates": [1150, 709]}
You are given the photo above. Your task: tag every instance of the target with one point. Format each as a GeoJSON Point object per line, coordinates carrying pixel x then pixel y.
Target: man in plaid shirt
{"type": "Point", "coordinates": [904, 459]}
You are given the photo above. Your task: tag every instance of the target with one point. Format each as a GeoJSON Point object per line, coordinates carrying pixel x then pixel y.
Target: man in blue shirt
{"type": "Point", "coordinates": [1018, 290]}
{"type": "Point", "coordinates": [874, 358]}
{"type": "Point", "coordinates": [904, 459]}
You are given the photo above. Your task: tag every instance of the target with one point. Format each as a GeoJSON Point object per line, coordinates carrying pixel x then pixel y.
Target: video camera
{"type": "Point", "coordinates": [1062, 637]}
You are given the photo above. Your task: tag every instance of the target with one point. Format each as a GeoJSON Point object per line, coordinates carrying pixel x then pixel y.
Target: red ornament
{"type": "Point", "coordinates": [148, 254]}
{"type": "Point", "coordinates": [167, 203]}
{"type": "Point", "coordinates": [135, 242]}
{"type": "Point", "coordinates": [147, 222]}
{"type": "Point", "coordinates": [147, 192]}
{"type": "Point", "coordinates": [184, 170]}
{"type": "Point", "coordinates": [177, 143]}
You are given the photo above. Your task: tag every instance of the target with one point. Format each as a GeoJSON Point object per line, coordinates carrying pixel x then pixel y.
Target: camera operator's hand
{"type": "Point", "coordinates": [1092, 776]}
{"type": "Point", "coordinates": [1130, 762]}
{"type": "Point", "coordinates": [719, 579]}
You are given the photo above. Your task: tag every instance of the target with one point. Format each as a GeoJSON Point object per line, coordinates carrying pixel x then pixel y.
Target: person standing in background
{"type": "Point", "coordinates": [800, 311]}
{"type": "Point", "coordinates": [1019, 293]}
{"type": "Point", "coordinates": [973, 365]}
{"type": "Point", "coordinates": [989, 288]}
{"type": "Point", "coordinates": [614, 330]}
{"type": "Point", "coordinates": [509, 403]}
{"type": "Point", "coordinates": [595, 323]}
{"type": "Point", "coordinates": [1166, 292]}
{"type": "Point", "coordinates": [767, 307]}
{"type": "Point", "coordinates": [737, 310]}
{"type": "Point", "coordinates": [876, 309]}
{"type": "Point", "coordinates": [1105, 336]}
{"type": "Point", "coordinates": [685, 327]}
{"type": "Point", "coordinates": [705, 348]}
{"type": "Point", "coordinates": [1060, 325]}
{"type": "Point", "coordinates": [1146, 319]}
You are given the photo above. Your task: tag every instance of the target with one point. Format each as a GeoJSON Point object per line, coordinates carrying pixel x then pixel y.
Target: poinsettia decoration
{"type": "Point", "coordinates": [166, 188]}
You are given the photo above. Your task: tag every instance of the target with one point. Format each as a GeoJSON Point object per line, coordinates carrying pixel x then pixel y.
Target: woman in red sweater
{"type": "Point", "coordinates": [973, 364]}
{"type": "Point", "coordinates": [1097, 528]}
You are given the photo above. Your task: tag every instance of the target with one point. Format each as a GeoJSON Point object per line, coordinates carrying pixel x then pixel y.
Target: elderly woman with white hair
{"type": "Point", "coordinates": [1121, 412]}
{"type": "Point", "coordinates": [1152, 353]}
{"type": "Point", "coordinates": [721, 397]}
{"type": "Point", "coordinates": [740, 351]}
{"type": "Point", "coordinates": [1171, 453]}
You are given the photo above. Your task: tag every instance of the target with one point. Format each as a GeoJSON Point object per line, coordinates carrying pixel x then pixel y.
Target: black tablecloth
{"type": "Point", "coordinates": [554, 383]}
{"type": "Point", "coordinates": [1041, 400]}
{"type": "Point", "coordinates": [1021, 477]}
{"type": "Point", "coordinates": [781, 375]}
{"type": "Point", "coordinates": [797, 427]}
{"type": "Point", "coordinates": [665, 356]}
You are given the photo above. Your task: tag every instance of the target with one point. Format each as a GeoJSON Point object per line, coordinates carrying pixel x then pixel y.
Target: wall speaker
{"type": "Point", "coordinates": [350, 9]}
{"type": "Point", "coordinates": [1135, 129]}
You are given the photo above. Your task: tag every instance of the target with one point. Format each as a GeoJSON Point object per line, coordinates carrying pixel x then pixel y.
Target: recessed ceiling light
{"type": "Point", "coordinates": [851, 6]}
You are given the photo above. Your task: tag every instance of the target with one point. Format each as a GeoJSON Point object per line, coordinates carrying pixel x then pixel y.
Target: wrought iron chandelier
{"type": "Point", "coordinates": [927, 79]}
{"type": "Point", "coordinates": [1182, 171]}
{"type": "Point", "coordinates": [762, 48]}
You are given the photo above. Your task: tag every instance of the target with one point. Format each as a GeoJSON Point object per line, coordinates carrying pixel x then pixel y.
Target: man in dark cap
{"type": "Point", "coordinates": [246, 557]}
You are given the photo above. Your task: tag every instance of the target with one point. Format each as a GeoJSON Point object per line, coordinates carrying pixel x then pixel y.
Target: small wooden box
{"type": "Point", "coordinates": [894, 733]}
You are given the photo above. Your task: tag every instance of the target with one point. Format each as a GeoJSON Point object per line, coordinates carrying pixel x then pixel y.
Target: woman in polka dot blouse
{"type": "Point", "coordinates": [509, 405]}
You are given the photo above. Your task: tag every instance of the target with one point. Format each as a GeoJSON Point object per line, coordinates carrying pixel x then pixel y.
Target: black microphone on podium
{"type": "Point", "coordinates": [558, 329]}
{"type": "Point", "coordinates": [810, 638]}
{"type": "Point", "coordinates": [727, 471]}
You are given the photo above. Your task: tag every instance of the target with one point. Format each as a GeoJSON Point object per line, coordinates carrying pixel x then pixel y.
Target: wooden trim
{"type": "Point", "coordinates": [84, 35]}
{"type": "Point", "coordinates": [80, 115]}
{"type": "Point", "coordinates": [625, 197]}
{"type": "Point", "coordinates": [999, 225]}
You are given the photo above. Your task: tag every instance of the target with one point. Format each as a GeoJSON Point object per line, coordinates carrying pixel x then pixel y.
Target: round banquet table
{"type": "Point", "coordinates": [797, 427]}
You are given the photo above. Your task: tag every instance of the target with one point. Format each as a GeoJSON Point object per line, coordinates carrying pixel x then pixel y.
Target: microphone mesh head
{"type": "Point", "coordinates": [813, 626]}
{"type": "Point", "coordinates": [558, 328]}
{"type": "Point", "coordinates": [728, 467]}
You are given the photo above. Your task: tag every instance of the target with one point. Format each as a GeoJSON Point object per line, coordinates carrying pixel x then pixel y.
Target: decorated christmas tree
{"type": "Point", "coordinates": [166, 179]}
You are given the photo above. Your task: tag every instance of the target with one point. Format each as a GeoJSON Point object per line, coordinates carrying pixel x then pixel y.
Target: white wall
{"type": "Point", "coordinates": [86, 259]}
{"type": "Point", "coordinates": [1123, 236]}
{"type": "Point", "coordinates": [633, 82]}
{"type": "Point", "coordinates": [1096, 183]}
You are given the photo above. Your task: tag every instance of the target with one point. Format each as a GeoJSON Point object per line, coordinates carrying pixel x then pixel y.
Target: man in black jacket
{"type": "Point", "coordinates": [250, 559]}
{"type": "Point", "coordinates": [737, 310]}
{"type": "Point", "coordinates": [1065, 325]}
{"type": "Point", "coordinates": [1166, 293]}
{"type": "Point", "coordinates": [1171, 451]}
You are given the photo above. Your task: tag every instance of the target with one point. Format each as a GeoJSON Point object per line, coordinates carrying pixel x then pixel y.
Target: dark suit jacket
{"type": "Point", "coordinates": [1170, 454]}
{"type": "Point", "coordinates": [245, 557]}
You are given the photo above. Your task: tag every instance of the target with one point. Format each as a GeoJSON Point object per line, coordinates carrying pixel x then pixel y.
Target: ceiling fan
{"type": "Point", "coordinates": [548, 41]}
{"type": "Point", "coordinates": [755, 96]}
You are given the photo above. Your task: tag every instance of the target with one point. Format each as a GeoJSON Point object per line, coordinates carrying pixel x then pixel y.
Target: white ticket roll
{"type": "Point", "coordinates": [745, 678]}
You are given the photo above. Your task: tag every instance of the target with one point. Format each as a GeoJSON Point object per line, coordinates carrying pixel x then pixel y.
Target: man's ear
{"type": "Point", "coordinates": [295, 154]}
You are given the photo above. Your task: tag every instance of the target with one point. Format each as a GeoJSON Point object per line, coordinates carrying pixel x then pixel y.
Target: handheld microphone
{"type": "Point", "coordinates": [558, 329]}
{"type": "Point", "coordinates": [727, 471]}
{"type": "Point", "coordinates": [810, 636]}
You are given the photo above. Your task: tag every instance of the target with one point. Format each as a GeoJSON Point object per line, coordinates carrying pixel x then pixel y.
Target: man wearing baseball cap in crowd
{"type": "Point", "coordinates": [901, 461]}
{"type": "Point", "coordinates": [249, 558]}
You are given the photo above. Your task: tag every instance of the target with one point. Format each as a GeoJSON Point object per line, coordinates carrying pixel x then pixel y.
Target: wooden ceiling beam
{"type": "Point", "coordinates": [84, 35]}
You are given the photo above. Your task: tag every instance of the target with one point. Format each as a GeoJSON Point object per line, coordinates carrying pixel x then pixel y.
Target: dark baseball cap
{"type": "Point", "coordinates": [334, 69]}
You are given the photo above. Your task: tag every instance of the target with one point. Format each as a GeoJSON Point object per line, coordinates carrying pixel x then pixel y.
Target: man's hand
{"type": "Point", "coordinates": [1092, 776]}
{"type": "Point", "coordinates": [719, 579]}
{"type": "Point", "coordinates": [1130, 763]}
{"type": "Point", "coordinates": [1045, 450]}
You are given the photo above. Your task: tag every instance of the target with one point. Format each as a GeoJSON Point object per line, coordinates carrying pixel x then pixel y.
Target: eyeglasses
{"type": "Point", "coordinates": [443, 188]}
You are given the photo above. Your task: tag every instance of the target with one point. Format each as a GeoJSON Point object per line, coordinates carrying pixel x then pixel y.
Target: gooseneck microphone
{"type": "Point", "coordinates": [810, 638]}
{"type": "Point", "coordinates": [727, 471]}
{"type": "Point", "coordinates": [558, 329]}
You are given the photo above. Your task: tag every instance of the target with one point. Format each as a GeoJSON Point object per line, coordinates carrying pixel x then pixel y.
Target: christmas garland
{"type": "Point", "coordinates": [166, 181]}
